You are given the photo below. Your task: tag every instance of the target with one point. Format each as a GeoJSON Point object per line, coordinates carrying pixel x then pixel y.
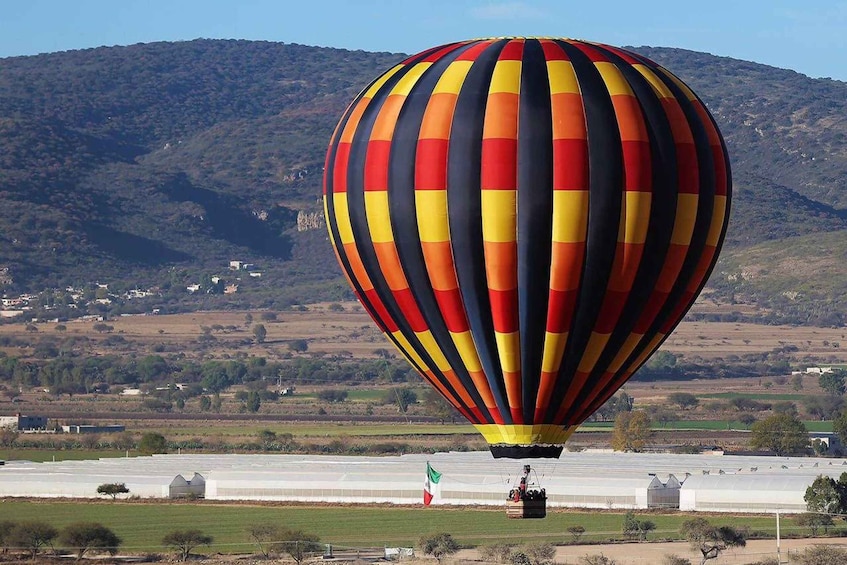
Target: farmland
{"type": "Point", "coordinates": [143, 524]}
{"type": "Point", "coordinates": [343, 329]}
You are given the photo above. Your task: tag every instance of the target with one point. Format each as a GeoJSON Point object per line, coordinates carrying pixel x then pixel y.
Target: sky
{"type": "Point", "coordinates": [808, 36]}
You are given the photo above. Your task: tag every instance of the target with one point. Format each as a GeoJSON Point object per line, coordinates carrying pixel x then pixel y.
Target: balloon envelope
{"type": "Point", "coordinates": [527, 219]}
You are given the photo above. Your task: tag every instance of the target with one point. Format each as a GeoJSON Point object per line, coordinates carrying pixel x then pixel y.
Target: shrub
{"type": "Point", "coordinates": [496, 553]}
{"type": "Point", "coordinates": [112, 489]}
{"type": "Point", "coordinates": [822, 555]}
{"type": "Point", "coordinates": [576, 532]}
{"type": "Point", "coordinates": [598, 559]}
{"type": "Point", "coordinates": [438, 545]}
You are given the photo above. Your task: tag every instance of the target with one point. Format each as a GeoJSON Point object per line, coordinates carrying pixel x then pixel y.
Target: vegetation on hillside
{"type": "Point", "coordinates": [153, 165]}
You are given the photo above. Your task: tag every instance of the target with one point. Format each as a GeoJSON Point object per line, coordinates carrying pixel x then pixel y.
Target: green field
{"type": "Point", "coordinates": [41, 455]}
{"type": "Point", "coordinates": [142, 525]}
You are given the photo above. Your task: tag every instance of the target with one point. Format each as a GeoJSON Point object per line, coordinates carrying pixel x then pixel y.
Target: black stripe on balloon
{"type": "Point", "coordinates": [605, 185]}
{"type": "Point", "coordinates": [464, 209]}
{"type": "Point", "coordinates": [331, 221]}
{"type": "Point", "coordinates": [535, 211]}
{"type": "Point", "coordinates": [664, 185]}
{"type": "Point", "coordinates": [404, 223]}
{"type": "Point", "coordinates": [332, 224]}
{"type": "Point", "coordinates": [361, 232]}
{"type": "Point", "coordinates": [705, 208]}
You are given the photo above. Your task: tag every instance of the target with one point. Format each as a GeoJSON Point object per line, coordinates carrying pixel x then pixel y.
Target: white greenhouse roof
{"type": "Point", "coordinates": [589, 478]}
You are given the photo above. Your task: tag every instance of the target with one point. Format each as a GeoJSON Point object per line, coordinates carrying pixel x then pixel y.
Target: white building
{"type": "Point", "coordinates": [588, 479]}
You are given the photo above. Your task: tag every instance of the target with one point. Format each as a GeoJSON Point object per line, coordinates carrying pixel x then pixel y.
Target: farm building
{"type": "Point", "coordinates": [22, 422]}
{"type": "Point", "coordinates": [587, 479]}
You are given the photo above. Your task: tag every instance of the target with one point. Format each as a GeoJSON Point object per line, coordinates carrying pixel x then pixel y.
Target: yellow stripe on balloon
{"type": "Point", "coordinates": [718, 215]}
{"type": "Point", "coordinates": [379, 222]}
{"type": "Point", "coordinates": [570, 215]}
{"type": "Point", "coordinates": [431, 210]}
{"type": "Point", "coordinates": [453, 77]}
{"type": "Point", "coordinates": [686, 216]}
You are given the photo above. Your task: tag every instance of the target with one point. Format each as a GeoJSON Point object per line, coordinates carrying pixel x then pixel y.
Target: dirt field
{"type": "Point", "coordinates": [653, 553]}
{"type": "Point", "coordinates": [351, 332]}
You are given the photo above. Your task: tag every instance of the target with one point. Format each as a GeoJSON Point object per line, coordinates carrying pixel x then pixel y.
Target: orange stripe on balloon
{"type": "Point", "coordinates": [501, 259]}
{"type": "Point", "coordinates": [439, 262]}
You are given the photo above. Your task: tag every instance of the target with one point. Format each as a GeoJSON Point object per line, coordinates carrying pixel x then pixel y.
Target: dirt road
{"type": "Point", "coordinates": [653, 553]}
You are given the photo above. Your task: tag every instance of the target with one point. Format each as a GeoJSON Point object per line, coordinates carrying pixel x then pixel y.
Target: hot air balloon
{"type": "Point", "coordinates": [527, 219]}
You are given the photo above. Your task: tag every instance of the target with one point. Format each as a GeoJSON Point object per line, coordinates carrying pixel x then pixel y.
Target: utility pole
{"type": "Point", "coordinates": [778, 558]}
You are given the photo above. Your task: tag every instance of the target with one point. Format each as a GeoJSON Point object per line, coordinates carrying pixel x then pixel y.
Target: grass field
{"type": "Point", "coordinates": [41, 455]}
{"type": "Point", "coordinates": [142, 525]}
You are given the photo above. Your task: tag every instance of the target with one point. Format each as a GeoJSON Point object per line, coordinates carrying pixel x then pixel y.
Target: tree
{"type": "Point", "coordinates": [6, 526]}
{"type": "Point", "coordinates": [833, 383]}
{"type": "Point", "coordinates": [780, 433]}
{"type": "Point", "coordinates": [298, 544]}
{"type": "Point", "coordinates": [31, 536]}
{"type": "Point", "coordinates": [797, 383]}
{"type": "Point", "coordinates": [205, 403]}
{"type": "Point", "coordinates": [635, 528]}
{"type": "Point", "coordinates": [576, 532]}
{"type": "Point", "coordinates": [822, 555]}
{"type": "Point", "coordinates": [839, 426]}
{"type": "Point", "coordinates": [8, 437]}
{"type": "Point", "coordinates": [401, 397]}
{"type": "Point", "coordinates": [253, 402]}
{"type": "Point", "coordinates": [632, 431]}
{"type": "Point", "coordinates": [747, 419]}
{"type": "Point", "coordinates": [151, 443]}
{"type": "Point", "coordinates": [827, 496]}
{"type": "Point", "coordinates": [684, 400]}
{"type": "Point", "coordinates": [112, 489]}
{"type": "Point", "coordinates": [260, 333]}
{"type": "Point", "coordinates": [332, 395]}
{"type": "Point", "coordinates": [814, 521]}
{"type": "Point", "coordinates": [298, 345]}
{"type": "Point", "coordinates": [83, 536]}
{"type": "Point", "coordinates": [438, 545]}
{"type": "Point", "coordinates": [268, 538]}
{"type": "Point", "coordinates": [824, 407]}
{"type": "Point", "coordinates": [185, 540]}
{"type": "Point", "coordinates": [711, 540]}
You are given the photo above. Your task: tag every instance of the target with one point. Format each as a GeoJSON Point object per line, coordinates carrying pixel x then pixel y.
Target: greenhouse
{"type": "Point", "coordinates": [589, 479]}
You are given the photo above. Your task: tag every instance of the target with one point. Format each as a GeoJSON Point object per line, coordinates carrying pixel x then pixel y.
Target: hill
{"type": "Point", "coordinates": [154, 165]}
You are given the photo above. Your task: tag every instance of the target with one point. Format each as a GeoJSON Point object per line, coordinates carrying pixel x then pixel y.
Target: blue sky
{"type": "Point", "coordinates": [804, 35]}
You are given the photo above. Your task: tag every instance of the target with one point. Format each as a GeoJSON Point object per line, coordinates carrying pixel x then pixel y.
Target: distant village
{"type": "Point", "coordinates": [81, 298]}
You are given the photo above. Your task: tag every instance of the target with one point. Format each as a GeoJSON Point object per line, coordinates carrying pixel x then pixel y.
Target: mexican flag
{"type": "Point", "coordinates": [431, 488]}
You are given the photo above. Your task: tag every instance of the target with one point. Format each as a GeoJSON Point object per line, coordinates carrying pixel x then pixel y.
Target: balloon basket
{"type": "Point", "coordinates": [526, 508]}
